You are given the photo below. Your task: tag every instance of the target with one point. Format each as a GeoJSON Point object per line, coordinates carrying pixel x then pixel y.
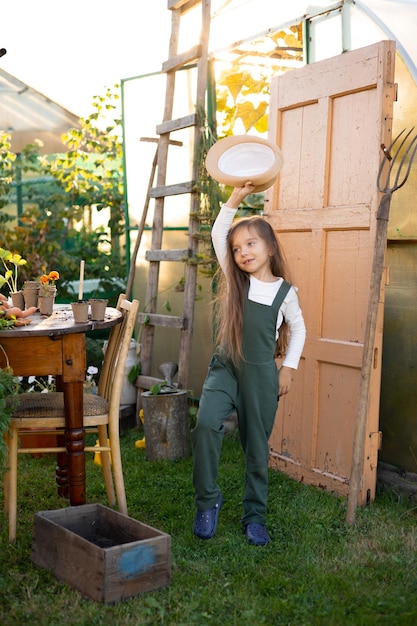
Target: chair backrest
{"type": "Point", "coordinates": [114, 365]}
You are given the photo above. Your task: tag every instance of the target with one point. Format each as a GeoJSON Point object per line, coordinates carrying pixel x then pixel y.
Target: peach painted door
{"type": "Point", "coordinates": [330, 119]}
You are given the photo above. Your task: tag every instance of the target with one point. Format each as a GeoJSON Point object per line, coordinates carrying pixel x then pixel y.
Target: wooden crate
{"type": "Point", "coordinates": [107, 556]}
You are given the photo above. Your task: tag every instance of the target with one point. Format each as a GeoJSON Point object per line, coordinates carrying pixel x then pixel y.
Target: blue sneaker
{"type": "Point", "coordinates": [205, 522]}
{"type": "Point", "coordinates": [256, 534]}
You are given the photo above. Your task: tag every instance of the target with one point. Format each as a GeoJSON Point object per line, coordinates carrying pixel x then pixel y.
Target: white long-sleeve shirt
{"type": "Point", "coordinates": [265, 292]}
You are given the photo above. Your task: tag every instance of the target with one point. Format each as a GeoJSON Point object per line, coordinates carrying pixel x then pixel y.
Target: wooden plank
{"type": "Point", "coordinates": [180, 60]}
{"type": "Point", "coordinates": [184, 5]}
{"type": "Point", "coordinates": [168, 321]}
{"type": "Point", "coordinates": [171, 190]}
{"type": "Point", "coordinates": [46, 351]}
{"type": "Point", "coordinates": [171, 142]}
{"type": "Point", "coordinates": [167, 255]}
{"type": "Point", "coordinates": [73, 357]}
{"type": "Point", "coordinates": [178, 124]}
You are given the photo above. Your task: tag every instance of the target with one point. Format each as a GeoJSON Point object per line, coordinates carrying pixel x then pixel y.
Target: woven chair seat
{"type": "Point", "coordinates": [49, 405]}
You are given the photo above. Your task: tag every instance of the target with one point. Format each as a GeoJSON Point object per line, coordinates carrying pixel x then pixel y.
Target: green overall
{"type": "Point", "coordinates": [252, 390]}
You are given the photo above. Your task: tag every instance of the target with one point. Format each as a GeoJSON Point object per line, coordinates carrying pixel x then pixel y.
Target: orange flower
{"type": "Point", "coordinates": [53, 276]}
{"type": "Point", "coordinates": [48, 280]}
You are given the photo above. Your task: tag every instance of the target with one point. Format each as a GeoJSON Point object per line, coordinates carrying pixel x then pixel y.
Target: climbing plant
{"type": "Point", "coordinates": [242, 89]}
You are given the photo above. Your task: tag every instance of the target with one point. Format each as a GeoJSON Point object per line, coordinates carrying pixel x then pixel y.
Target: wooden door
{"type": "Point", "coordinates": [330, 119]}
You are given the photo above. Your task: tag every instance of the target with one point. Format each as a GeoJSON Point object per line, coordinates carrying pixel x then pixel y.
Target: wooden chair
{"type": "Point", "coordinates": [44, 413]}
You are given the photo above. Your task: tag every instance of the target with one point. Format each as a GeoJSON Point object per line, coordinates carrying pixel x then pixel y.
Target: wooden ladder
{"type": "Point", "coordinates": [197, 55]}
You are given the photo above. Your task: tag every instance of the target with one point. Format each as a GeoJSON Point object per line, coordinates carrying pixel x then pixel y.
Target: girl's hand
{"type": "Point", "coordinates": [284, 380]}
{"type": "Point", "coordinates": [239, 194]}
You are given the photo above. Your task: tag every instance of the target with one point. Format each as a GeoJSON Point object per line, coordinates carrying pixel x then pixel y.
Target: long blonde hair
{"type": "Point", "coordinates": [232, 288]}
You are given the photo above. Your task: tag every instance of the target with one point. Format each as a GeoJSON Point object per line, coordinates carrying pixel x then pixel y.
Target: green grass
{"type": "Point", "coordinates": [316, 571]}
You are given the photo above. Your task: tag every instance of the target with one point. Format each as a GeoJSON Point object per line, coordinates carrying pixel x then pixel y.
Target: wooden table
{"type": "Point", "coordinates": [56, 345]}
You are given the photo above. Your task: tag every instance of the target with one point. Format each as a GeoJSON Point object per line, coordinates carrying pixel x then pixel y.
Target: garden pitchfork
{"type": "Point", "coordinates": [398, 167]}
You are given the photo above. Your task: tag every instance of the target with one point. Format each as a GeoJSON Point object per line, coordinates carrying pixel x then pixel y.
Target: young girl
{"type": "Point", "coordinates": [254, 301]}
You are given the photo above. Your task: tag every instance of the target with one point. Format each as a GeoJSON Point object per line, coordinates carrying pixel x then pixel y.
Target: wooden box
{"type": "Point", "coordinates": [102, 553]}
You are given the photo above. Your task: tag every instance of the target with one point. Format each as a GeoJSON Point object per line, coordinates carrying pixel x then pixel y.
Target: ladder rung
{"type": "Point", "coordinates": [48, 450]}
{"type": "Point", "coordinates": [178, 61]}
{"type": "Point", "coordinates": [171, 190]}
{"type": "Point", "coordinates": [186, 5]}
{"type": "Point", "coordinates": [168, 255]}
{"type": "Point", "coordinates": [172, 142]}
{"type": "Point", "coordinates": [178, 124]}
{"type": "Point", "coordinates": [168, 321]}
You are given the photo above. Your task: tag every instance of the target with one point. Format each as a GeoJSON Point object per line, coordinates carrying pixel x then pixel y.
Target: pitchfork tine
{"type": "Point", "coordinates": [410, 162]}
{"type": "Point", "coordinates": [397, 185]}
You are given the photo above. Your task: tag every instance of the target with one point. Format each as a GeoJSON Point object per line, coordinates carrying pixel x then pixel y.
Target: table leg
{"type": "Point", "coordinates": [61, 470]}
{"type": "Point", "coordinates": [74, 441]}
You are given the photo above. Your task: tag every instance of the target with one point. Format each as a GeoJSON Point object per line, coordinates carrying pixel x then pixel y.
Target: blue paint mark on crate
{"type": "Point", "coordinates": [136, 561]}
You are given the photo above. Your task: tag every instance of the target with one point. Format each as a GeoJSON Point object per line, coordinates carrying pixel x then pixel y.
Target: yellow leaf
{"type": "Point", "coordinates": [235, 83]}
{"type": "Point", "coordinates": [249, 115]}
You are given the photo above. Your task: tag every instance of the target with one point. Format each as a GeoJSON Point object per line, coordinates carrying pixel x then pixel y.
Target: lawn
{"type": "Point", "coordinates": [316, 571]}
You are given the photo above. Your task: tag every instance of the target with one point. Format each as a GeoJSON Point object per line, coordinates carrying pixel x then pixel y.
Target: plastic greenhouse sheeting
{"type": "Point", "coordinates": [237, 20]}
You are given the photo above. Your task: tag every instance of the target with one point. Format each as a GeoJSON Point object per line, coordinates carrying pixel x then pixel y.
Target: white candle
{"type": "Point", "coordinates": [81, 288]}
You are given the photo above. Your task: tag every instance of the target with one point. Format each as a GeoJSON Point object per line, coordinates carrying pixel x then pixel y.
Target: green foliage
{"type": "Point", "coordinates": [8, 390]}
{"type": "Point", "coordinates": [61, 194]}
{"type": "Point", "coordinates": [91, 170]}
{"type": "Point", "coordinates": [159, 388]}
{"type": "Point", "coordinates": [134, 373]}
{"type": "Point", "coordinates": [6, 322]}
{"type": "Point", "coordinates": [6, 168]}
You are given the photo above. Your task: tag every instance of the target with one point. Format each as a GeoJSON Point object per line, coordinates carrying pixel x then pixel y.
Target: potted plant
{"type": "Point", "coordinates": [47, 292]}
{"type": "Point", "coordinates": [11, 262]}
{"type": "Point", "coordinates": [47, 283]}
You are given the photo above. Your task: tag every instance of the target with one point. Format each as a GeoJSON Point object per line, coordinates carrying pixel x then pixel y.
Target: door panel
{"type": "Point", "coordinates": [330, 119]}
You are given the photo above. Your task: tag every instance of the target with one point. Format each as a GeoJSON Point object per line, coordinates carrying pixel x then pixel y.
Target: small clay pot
{"type": "Point", "coordinates": [18, 299]}
{"type": "Point", "coordinates": [46, 304]}
{"type": "Point", "coordinates": [80, 311]}
{"type": "Point", "coordinates": [98, 309]}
